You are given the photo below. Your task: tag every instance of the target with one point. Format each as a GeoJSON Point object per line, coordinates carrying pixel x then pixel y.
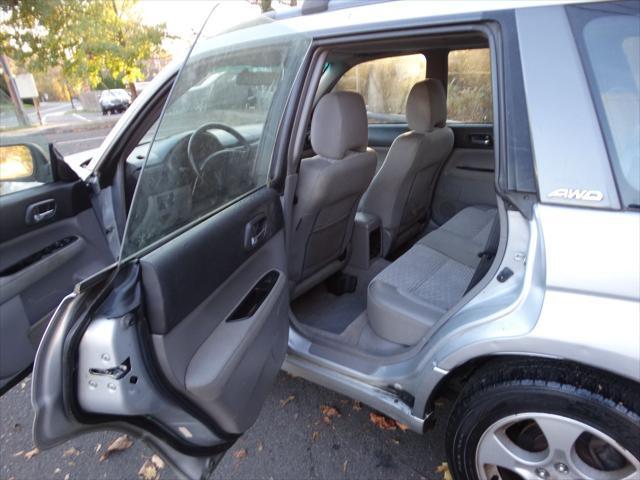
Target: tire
{"type": "Point", "coordinates": [563, 420]}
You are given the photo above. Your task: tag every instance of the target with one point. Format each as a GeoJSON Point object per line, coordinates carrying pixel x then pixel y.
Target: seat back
{"type": "Point", "coordinates": [329, 188]}
{"type": "Point", "coordinates": [401, 191]}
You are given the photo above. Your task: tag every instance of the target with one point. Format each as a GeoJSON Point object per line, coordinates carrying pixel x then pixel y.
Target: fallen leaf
{"type": "Point", "coordinates": [148, 471]}
{"type": "Point", "coordinates": [260, 447]}
{"type": "Point", "coordinates": [382, 422]}
{"type": "Point", "coordinates": [57, 470]}
{"type": "Point", "coordinates": [121, 443]}
{"type": "Point", "coordinates": [402, 426]}
{"type": "Point", "coordinates": [157, 461]}
{"type": "Point", "coordinates": [23, 385]}
{"type": "Point", "coordinates": [71, 464]}
{"type": "Point", "coordinates": [284, 402]}
{"type": "Point", "coordinates": [31, 453]}
{"type": "Point", "coordinates": [240, 454]}
{"type": "Point", "coordinates": [314, 436]}
{"type": "Point", "coordinates": [357, 406]}
{"type": "Point", "coordinates": [19, 454]}
{"type": "Point", "coordinates": [66, 477]}
{"type": "Point", "coordinates": [344, 466]}
{"type": "Point", "coordinates": [328, 413]}
{"type": "Point", "coordinates": [98, 447]}
{"type": "Point", "coordinates": [443, 468]}
{"type": "Point", "coordinates": [70, 452]}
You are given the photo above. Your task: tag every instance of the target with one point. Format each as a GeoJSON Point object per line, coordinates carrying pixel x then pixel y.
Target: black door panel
{"type": "Point", "coordinates": [178, 276]}
{"type": "Point", "coordinates": [40, 263]}
{"type": "Point", "coordinates": [193, 288]}
{"type": "Point", "coordinates": [69, 199]}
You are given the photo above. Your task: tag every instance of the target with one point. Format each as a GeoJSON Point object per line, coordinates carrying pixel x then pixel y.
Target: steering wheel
{"type": "Point", "coordinates": [208, 175]}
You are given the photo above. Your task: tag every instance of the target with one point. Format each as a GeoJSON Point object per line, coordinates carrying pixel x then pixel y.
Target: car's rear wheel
{"type": "Point", "coordinates": [545, 420]}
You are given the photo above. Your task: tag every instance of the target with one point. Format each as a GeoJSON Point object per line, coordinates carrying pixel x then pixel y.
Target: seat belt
{"type": "Point", "coordinates": [488, 254]}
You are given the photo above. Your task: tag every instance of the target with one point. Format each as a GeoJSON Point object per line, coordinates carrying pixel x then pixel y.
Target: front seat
{"type": "Point", "coordinates": [401, 191]}
{"type": "Point", "coordinates": [330, 186]}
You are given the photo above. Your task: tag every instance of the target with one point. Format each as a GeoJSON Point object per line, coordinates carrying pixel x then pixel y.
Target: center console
{"type": "Point", "coordinates": [366, 241]}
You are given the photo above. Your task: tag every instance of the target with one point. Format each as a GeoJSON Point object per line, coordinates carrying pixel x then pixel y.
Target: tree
{"type": "Point", "coordinates": [265, 6]}
{"type": "Point", "coordinates": [85, 38]}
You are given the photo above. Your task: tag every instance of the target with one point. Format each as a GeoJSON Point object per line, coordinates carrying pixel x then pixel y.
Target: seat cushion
{"type": "Point", "coordinates": [409, 296]}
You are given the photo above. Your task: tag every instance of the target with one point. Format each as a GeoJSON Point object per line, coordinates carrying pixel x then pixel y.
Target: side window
{"type": "Point", "coordinates": [215, 139]}
{"type": "Point", "coordinates": [24, 159]}
{"type": "Point", "coordinates": [469, 86]}
{"type": "Point", "coordinates": [385, 84]}
{"type": "Point", "coordinates": [608, 38]}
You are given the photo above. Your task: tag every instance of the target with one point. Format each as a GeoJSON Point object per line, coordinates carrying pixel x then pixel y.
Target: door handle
{"type": "Point", "coordinates": [40, 211]}
{"type": "Point", "coordinates": [481, 139]}
{"type": "Point", "coordinates": [255, 232]}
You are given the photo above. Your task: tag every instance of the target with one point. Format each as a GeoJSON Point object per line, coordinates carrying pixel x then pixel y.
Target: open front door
{"type": "Point", "coordinates": [180, 342]}
{"type": "Point", "coordinates": [50, 239]}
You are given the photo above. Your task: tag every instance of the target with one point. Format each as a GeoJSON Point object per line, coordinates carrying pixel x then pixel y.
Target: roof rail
{"type": "Point", "coordinates": [310, 7]}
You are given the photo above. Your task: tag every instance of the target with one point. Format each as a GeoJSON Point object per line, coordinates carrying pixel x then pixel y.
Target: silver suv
{"type": "Point", "coordinates": [397, 202]}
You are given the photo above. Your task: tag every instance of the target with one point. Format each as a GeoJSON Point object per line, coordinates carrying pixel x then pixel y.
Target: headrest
{"type": "Point", "coordinates": [339, 124]}
{"type": "Point", "coordinates": [426, 106]}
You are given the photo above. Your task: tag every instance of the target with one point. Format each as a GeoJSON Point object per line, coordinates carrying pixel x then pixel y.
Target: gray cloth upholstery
{"type": "Point", "coordinates": [329, 188]}
{"type": "Point", "coordinates": [426, 106]}
{"type": "Point", "coordinates": [409, 296]}
{"type": "Point", "coordinates": [339, 124]}
{"type": "Point", "coordinates": [401, 190]}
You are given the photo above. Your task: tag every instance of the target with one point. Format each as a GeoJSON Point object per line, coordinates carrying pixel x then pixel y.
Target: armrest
{"type": "Point", "coordinates": [365, 242]}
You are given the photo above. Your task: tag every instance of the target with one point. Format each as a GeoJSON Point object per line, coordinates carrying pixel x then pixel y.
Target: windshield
{"type": "Point", "coordinates": [215, 139]}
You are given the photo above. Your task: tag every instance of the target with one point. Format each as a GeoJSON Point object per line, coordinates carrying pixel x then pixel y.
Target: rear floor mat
{"type": "Point", "coordinates": [320, 309]}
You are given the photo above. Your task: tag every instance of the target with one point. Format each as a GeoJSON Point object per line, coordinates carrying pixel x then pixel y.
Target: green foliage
{"type": "Point", "coordinates": [85, 38]}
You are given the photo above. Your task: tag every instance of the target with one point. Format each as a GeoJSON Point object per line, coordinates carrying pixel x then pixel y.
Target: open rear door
{"type": "Point", "coordinates": [180, 342]}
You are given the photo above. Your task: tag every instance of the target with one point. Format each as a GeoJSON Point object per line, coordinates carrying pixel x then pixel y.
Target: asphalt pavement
{"type": "Point", "coordinates": [292, 438]}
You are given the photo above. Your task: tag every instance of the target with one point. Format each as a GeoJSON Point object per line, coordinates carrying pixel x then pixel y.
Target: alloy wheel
{"type": "Point", "coordinates": [534, 446]}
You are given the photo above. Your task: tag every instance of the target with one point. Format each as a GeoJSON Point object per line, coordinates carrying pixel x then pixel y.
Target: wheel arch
{"type": "Point", "coordinates": [452, 384]}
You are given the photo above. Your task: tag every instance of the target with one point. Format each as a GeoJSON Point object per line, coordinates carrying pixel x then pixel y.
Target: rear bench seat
{"type": "Point", "coordinates": [411, 294]}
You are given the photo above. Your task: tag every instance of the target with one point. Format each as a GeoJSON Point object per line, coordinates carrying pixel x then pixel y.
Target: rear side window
{"type": "Point", "coordinates": [608, 37]}
{"type": "Point", "coordinates": [385, 84]}
{"type": "Point", "coordinates": [469, 86]}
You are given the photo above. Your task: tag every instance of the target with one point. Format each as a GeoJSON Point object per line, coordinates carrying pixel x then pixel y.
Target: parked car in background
{"type": "Point", "coordinates": [116, 100]}
{"type": "Point", "coordinates": [397, 201]}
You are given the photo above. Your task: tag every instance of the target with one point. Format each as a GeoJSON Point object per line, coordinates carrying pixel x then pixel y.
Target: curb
{"type": "Point", "coordinates": [64, 128]}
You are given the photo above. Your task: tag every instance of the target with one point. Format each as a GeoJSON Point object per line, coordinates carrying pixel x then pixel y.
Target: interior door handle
{"type": "Point", "coordinates": [255, 232]}
{"type": "Point", "coordinates": [40, 211]}
{"type": "Point", "coordinates": [481, 139]}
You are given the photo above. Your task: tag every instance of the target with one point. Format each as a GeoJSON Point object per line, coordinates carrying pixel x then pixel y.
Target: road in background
{"type": "Point", "coordinates": [69, 138]}
{"type": "Point", "coordinates": [52, 113]}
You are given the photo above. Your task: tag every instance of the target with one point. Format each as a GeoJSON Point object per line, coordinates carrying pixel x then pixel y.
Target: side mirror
{"type": "Point", "coordinates": [23, 163]}
{"type": "Point", "coordinates": [16, 163]}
